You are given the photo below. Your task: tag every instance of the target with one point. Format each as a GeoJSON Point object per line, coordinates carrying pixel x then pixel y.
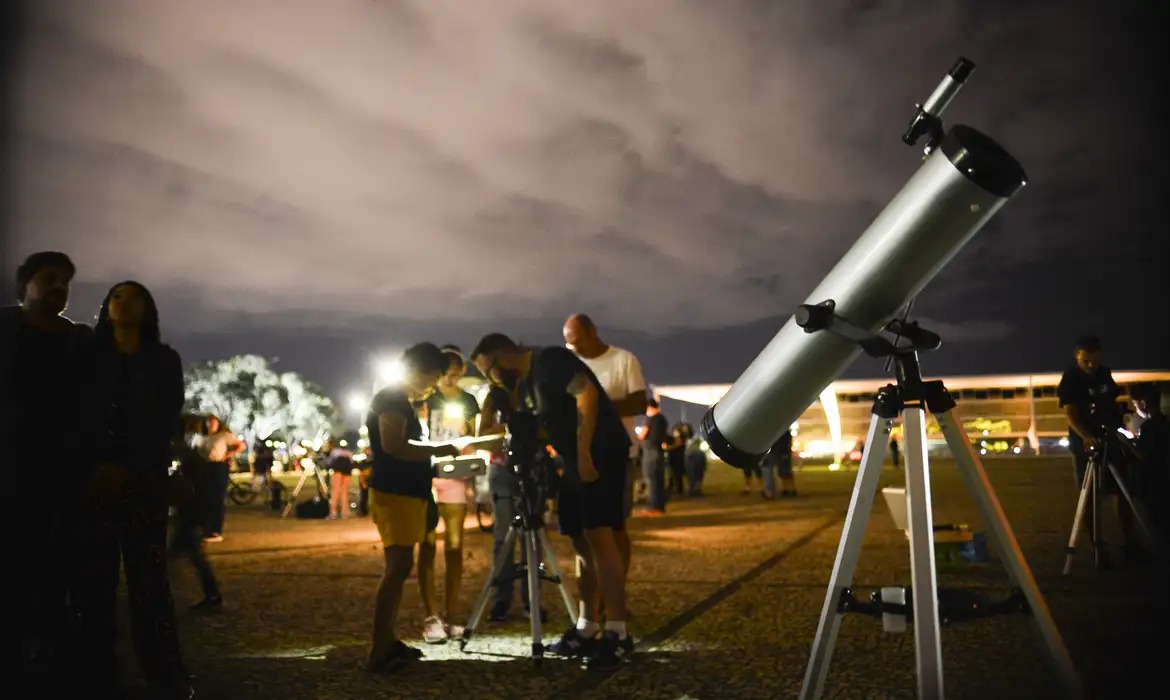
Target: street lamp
{"type": "Point", "coordinates": [356, 402]}
{"type": "Point", "coordinates": [387, 371]}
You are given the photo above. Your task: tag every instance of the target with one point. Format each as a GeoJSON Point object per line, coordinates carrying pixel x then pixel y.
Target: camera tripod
{"type": "Point", "coordinates": [306, 472]}
{"type": "Point", "coordinates": [911, 397]}
{"type": "Point", "coordinates": [1090, 499]}
{"type": "Point", "coordinates": [540, 565]}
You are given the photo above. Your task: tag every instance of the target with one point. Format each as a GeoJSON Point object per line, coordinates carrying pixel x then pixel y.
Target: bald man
{"type": "Point", "coordinates": [620, 374]}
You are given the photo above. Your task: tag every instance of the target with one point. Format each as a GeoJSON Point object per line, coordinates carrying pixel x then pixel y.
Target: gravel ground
{"type": "Point", "coordinates": [725, 593]}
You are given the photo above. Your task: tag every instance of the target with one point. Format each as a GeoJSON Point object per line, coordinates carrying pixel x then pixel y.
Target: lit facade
{"type": "Point", "coordinates": [1003, 414]}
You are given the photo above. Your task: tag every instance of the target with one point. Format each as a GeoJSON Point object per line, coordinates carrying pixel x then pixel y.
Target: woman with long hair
{"type": "Point", "coordinates": [134, 407]}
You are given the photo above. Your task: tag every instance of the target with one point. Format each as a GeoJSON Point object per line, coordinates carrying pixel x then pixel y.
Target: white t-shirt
{"type": "Point", "coordinates": [620, 375]}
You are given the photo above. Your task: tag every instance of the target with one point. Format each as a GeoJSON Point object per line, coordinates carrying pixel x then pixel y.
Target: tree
{"type": "Point", "coordinates": [256, 401]}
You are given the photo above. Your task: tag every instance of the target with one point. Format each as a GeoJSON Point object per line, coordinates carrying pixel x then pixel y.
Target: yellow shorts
{"type": "Point", "coordinates": [401, 520]}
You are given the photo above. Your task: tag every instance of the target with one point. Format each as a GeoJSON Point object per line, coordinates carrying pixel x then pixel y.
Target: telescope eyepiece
{"type": "Point", "coordinates": [962, 70]}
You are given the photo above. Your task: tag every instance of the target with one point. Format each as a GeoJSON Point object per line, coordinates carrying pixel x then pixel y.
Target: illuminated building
{"type": "Point", "coordinates": [1004, 414]}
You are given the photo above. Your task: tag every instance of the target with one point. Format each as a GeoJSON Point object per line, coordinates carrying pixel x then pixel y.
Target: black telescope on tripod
{"type": "Point", "coordinates": [965, 179]}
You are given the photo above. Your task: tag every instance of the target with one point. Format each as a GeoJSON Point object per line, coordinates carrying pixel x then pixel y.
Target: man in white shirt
{"type": "Point", "coordinates": [620, 374]}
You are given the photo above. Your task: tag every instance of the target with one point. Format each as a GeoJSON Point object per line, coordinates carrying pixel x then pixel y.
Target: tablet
{"type": "Point", "coordinates": [461, 467]}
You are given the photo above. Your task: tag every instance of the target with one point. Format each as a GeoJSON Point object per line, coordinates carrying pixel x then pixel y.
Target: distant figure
{"type": "Point", "coordinates": [1152, 450]}
{"type": "Point", "coordinates": [894, 452]}
{"type": "Point", "coordinates": [696, 462]}
{"type": "Point", "coordinates": [780, 457]}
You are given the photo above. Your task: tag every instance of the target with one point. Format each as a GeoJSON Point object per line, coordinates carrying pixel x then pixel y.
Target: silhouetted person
{"type": "Point", "coordinates": [1152, 452]}
{"type": "Point", "coordinates": [43, 373]}
{"type": "Point", "coordinates": [1088, 394]}
{"type": "Point", "coordinates": [136, 403]}
{"type": "Point", "coordinates": [191, 512]}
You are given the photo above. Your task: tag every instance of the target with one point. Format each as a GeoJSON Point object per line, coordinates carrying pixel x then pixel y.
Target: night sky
{"type": "Point", "coordinates": [327, 181]}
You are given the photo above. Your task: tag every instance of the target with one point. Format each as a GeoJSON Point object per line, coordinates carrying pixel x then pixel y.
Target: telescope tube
{"type": "Point", "coordinates": [954, 193]}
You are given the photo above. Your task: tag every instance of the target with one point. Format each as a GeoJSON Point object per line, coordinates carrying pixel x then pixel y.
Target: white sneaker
{"type": "Point", "coordinates": [434, 631]}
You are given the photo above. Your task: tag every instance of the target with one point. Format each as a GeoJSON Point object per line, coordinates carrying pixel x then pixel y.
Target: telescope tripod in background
{"type": "Point", "coordinates": [307, 472]}
{"type": "Point", "coordinates": [911, 398]}
{"type": "Point", "coordinates": [1101, 461]}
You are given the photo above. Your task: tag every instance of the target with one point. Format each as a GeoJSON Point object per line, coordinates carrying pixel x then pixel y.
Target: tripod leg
{"type": "Point", "coordinates": [971, 469]}
{"type": "Point", "coordinates": [1078, 520]}
{"type": "Point", "coordinates": [550, 560]}
{"type": "Point", "coordinates": [856, 521]}
{"type": "Point", "coordinates": [534, 593]}
{"type": "Point", "coordinates": [1100, 554]}
{"type": "Point", "coordinates": [489, 585]}
{"type": "Point", "coordinates": [923, 575]}
{"type": "Point", "coordinates": [292, 501]}
{"type": "Point", "coordinates": [1133, 505]}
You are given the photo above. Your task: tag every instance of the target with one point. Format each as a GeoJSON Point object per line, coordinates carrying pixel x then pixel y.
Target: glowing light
{"type": "Point", "coordinates": [982, 452]}
{"type": "Point", "coordinates": [356, 402]}
{"type": "Point", "coordinates": [834, 466]}
{"type": "Point", "coordinates": [1063, 442]}
{"type": "Point", "coordinates": [704, 446]}
{"type": "Point", "coordinates": [453, 411]}
{"type": "Point", "coordinates": [1016, 450]}
{"type": "Point", "coordinates": [343, 443]}
{"type": "Point", "coordinates": [821, 448]}
{"type": "Point", "coordinates": [828, 401]}
{"type": "Point", "coordinates": [389, 371]}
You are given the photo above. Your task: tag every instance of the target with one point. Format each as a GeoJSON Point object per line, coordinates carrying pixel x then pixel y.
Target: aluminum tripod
{"type": "Point", "coordinates": [322, 489]}
{"type": "Point", "coordinates": [911, 398]}
{"type": "Point", "coordinates": [541, 565]}
{"type": "Point", "coordinates": [1099, 460]}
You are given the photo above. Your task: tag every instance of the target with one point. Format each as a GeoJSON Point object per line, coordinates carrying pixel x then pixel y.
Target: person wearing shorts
{"type": "Point", "coordinates": [586, 431]}
{"type": "Point", "coordinates": [620, 375]}
{"type": "Point", "coordinates": [449, 413]}
{"type": "Point", "coordinates": [400, 492]}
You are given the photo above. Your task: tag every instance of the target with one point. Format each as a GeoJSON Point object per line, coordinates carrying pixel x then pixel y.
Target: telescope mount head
{"type": "Point", "coordinates": [821, 317]}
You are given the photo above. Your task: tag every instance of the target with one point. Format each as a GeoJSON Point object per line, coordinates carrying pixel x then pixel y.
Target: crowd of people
{"type": "Point", "coordinates": [109, 401]}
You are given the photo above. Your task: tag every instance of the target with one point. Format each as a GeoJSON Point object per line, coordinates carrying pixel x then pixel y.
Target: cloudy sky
{"type": "Point", "coordinates": [323, 181]}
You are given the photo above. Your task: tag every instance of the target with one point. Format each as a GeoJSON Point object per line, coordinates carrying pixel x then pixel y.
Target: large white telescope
{"type": "Point", "coordinates": [960, 186]}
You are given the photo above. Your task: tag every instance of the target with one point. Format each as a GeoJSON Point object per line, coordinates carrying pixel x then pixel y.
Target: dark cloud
{"type": "Point", "coordinates": [664, 166]}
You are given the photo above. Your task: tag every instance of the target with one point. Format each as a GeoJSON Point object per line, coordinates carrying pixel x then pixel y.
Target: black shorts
{"type": "Point", "coordinates": [602, 503]}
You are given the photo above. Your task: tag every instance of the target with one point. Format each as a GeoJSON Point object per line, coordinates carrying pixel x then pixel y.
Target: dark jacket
{"type": "Point", "coordinates": [156, 395]}
{"type": "Point", "coordinates": [12, 405]}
